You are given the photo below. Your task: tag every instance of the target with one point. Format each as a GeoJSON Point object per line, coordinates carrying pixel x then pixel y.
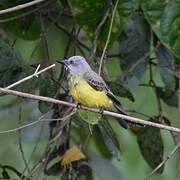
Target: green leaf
{"type": "Point", "coordinates": [88, 15]}
{"type": "Point", "coordinates": [27, 28]}
{"type": "Point", "coordinates": [175, 136]}
{"type": "Point", "coordinates": [166, 65]}
{"type": "Point", "coordinates": [120, 90]}
{"type": "Point", "coordinates": [7, 168]}
{"type": "Point", "coordinates": [89, 117]}
{"type": "Point", "coordinates": [83, 169]}
{"type": "Point", "coordinates": [164, 18]}
{"type": "Point", "coordinates": [6, 4]}
{"type": "Point", "coordinates": [170, 97]}
{"type": "Point", "coordinates": [151, 146]}
{"type": "Point", "coordinates": [12, 68]}
{"type": "Point", "coordinates": [103, 168]}
{"type": "Point", "coordinates": [30, 85]}
{"type": "Point", "coordinates": [109, 137]}
{"type": "Point", "coordinates": [10, 64]}
{"type": "Point", "coordinates": [9, 57]}
{"type": "Point", "coordinates": [54, 170]}
{"type": "Point", "coordinates": [5, 174]}
{"type": "Point", "coordinates": [133, 51]}
{"type": "Point", "coordinates": [101, 147]}
{"type": "Point", "coordinates": [46, 88]}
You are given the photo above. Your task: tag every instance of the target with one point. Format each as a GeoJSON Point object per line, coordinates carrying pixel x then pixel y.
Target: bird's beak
{"type": "Point", "coordinates": [63, 62]}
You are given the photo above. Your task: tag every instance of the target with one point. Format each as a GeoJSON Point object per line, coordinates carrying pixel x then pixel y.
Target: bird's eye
{"type": "Point", "coordinates": [71, 62]}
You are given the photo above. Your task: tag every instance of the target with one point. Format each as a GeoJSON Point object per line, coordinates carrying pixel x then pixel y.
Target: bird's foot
{"type": "Point", "coordinates": [78, 106]}
{"type": "Point", "coordinates": [101, 111]}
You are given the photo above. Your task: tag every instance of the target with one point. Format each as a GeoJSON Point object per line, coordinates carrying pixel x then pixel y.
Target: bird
{"type": "Point", "coordinates": [88, 88]}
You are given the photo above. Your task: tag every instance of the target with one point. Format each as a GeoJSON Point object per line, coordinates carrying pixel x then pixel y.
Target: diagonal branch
{"type": "Point", "coordinates": [29, 12]}
{"type": "Point", "coordinates": [98, 29]}
{"type": "Point", "coordinates": [108, 113]}
{"type": "Point", "coordinates": [35, 74]}
{"type": "Point", "coordinates": [63, 29]}
{"type": "Point", "coordinates": [163, 162]}
{"type": "Point", "coordinates": [40, 120]}
{"type": "Point", "coordinates": [21, 6]}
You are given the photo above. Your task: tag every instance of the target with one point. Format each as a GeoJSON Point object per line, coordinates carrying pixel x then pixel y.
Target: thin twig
{"type": "Point", "coordinates": [21, 6]}
{"type": "Point", "coordinates": [60, 132]}
{"type": "Point", "coordinates": [143, 58]}
{"type": "Point", "coordinates": [20, 144]}
{"type": "Point", "coordinates": [44, 158]}
{"type": "Point", "coordinates": [108, 37]}
{"type": "Point", "coordinates": [39, 40]}
{"type": "Point", "coordinates": [108, 113]}
{"type": "Point", "coordinates": [24, 14]}
{"type": "Point", "coordinates": [42, 161]}
{"type": "Point", "coordinates": [44, 40]}
{"type": "Point", "coordinates": [35, 74]}
{"type": "Point", "coordinates": [98, 28]}
{"type": "Point", "coordinates": [163, 162]}
{"type": "Point", "coordinates": [34, 150]}
{"type": "Point", "coordinates": [35, 122]}
{"type": "Point", "coordinates": [62, 28]}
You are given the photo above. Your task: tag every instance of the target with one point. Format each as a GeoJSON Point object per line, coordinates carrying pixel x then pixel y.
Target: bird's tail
{"type": "Point", "coordinates": [122, 122]}
{"type": "Point", "coordinates": [117, 108]}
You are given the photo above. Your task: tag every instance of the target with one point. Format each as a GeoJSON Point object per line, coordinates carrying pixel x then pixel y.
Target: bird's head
{"type": "Point", "coordinates": [75, 65]}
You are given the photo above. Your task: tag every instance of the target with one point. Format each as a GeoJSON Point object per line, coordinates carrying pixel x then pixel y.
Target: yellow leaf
{"type": "Point", "coordinates": [73, 154]}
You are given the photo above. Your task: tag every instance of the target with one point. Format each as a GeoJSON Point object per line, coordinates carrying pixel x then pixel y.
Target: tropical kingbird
{"type": "Point", "coordinates": [88, 88]}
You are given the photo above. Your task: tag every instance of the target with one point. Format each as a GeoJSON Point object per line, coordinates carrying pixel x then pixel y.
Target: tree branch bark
{"type": "Point", "coordinates": [21, 6]}
{"type": "Point", "coordinates": [108, 113]}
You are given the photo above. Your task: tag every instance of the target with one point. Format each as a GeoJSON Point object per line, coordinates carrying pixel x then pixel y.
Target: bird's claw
{"type": "Point", "coordinates": [78, 106]}
{"type": "Point", "coordinates": [101, 111]}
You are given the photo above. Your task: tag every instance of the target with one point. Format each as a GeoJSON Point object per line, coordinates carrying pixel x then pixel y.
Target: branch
{"type": "Point", "coordinates": [25, 14]}
{"type": "Point", "coordinates": [108, 37]}
{"type": "Point", "coordinates": [163, 162]}
{"type": "Point", "coordinates": [21, 6]}
{"type": "Point", "coordinates": [20, 144]}
{"type": "Point", "coordinates": [108, 113]}
{"type": "Point", "coordinates": [63, 29]}
{"type": "Point", "coordinates": [44, 39]}
{"type": "Point", "coordinates": [98, 29]}
{"type": "Point", "coordinates": [40, 120]}
{"type": "Point", "coordinates": [36, 73]}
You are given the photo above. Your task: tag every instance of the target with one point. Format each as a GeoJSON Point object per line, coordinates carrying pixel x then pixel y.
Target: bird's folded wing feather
{"type": "Point", "coordinates": [96, 81]}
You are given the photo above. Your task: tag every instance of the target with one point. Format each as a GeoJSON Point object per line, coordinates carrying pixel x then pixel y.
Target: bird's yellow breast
{"type": "Point", "coordinates": [86, 95]}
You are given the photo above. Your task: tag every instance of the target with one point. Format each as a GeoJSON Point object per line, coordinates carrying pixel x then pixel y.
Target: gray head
{"type": "Point", "coordinates": [76, 64]}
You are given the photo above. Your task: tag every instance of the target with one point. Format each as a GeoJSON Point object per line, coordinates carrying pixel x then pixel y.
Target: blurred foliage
{"type": "Point", "coordinates": [134, 49]}
{"type": "Point", "coordinates": [142, 63]}
{"type": "Point", "coordinates": [151, 146]}
{"type": "Point", "coordinates": [163, 17]}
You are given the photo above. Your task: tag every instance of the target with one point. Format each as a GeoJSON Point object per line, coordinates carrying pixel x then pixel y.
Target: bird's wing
{"type": "Point", "coordinates": [95, 81]}
{"type": "Point", "coordinates": [99, 84]}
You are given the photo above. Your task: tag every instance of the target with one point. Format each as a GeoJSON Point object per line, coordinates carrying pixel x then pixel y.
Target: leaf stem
{"type": "Point", "coordinates": [108, 37]}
